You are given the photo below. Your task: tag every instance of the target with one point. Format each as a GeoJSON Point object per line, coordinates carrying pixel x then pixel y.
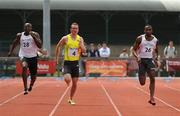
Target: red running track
{"type": "Point", "coordinates": [94, 97]}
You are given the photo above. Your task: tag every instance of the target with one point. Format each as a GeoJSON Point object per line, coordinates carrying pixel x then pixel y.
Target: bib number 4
{"type": "Point", "coordinates": [73, 52]}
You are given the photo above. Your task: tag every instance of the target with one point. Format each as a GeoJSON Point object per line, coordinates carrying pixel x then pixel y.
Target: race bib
{"type": "Point", "coordinates": [26, 44]}
{"type": "Point", "coordinates": [148, 49]}
{"type": "Point", "coordinates": [73, 52]}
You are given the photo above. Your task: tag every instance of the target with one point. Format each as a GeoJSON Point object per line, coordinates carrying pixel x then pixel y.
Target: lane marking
{"type": "Point", "coordinates": [175, 89]}
{"type": "Point", "coordinates": [59, 102]}
{"type": "Point", "coordinates": [17, 95]}
{"type": "Point", "coordinates": [159, 99]}
{"type": "Point", "coordinates": [110, 99]}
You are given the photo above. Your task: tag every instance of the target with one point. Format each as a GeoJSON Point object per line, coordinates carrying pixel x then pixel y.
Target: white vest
{"type": "Point", "coordinates": [146, 48]}
{"type": "Point", "coordinates": [28, 47]}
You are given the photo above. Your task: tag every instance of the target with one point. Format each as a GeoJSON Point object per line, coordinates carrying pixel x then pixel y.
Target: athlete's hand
{"type": "Point", "coordinates": [44, 52]}
{"type": "Point", "coordinates": [138, 60]}
{"type": "Point", "coordinates": [157, 63]}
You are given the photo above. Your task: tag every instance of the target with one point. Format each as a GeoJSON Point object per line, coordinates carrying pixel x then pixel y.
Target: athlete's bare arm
{"type": "Point", "coordinates": [15, 43]}
{"type": "Point", "coordinates": [82, 46]}
{"type": "Point", "coordinates": [155, 55]}
{"type": "Point", "coordinates": [156, 50]}
{"type": "Point", "coordinates": [36, 38]}
{"type": "Point", "coordinates": [136, 47]}
{"type": "Point", "coordinates": [60, 44]}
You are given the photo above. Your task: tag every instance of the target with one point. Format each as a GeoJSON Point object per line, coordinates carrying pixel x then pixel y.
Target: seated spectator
{"type": "Point", "coordinates": [104, 51]}
{"type": "Point", "coordinates": [93, 52]}
{"type": "Point", "coordinates": [124, 54]}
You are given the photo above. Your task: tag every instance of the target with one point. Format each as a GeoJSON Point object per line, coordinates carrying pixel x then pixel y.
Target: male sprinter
{"type": "Point", "coordinates": [73, 44]}
{"type": "Point", "coordinates": [30, 44]}
{"type": "Point", "coordinates": [146, 51]}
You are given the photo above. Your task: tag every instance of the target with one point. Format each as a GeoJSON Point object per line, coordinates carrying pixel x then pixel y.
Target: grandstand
{"type": "Point", "coordinates": [117, 23]}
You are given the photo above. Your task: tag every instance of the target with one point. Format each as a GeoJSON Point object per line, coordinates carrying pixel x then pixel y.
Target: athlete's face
{"type": "Point", "coordinates": [74, 29]}
{"type": "Point", "coordinates": [148, 30]}
{"type": "Point", "coordinates": [27, 27]}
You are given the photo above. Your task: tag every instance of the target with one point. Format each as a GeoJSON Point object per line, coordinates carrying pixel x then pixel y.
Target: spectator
{"type": "Point", "coordinates": [85, 54]}
{"type": "Point", "coordinates": [104, 51]}
{"type": "Point", "coordinates": [124, 54]}
{"type": "Point", "coordinates": [170, 50]}
{"type": "Point", "coordinates": [93, 52]}
{"type": "Point", "coordinates": [99, 46]}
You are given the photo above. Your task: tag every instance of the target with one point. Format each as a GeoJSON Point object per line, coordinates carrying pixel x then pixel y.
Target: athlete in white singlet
{"type": "Point", "coordinates": [146, 51]}
{"type": "Point", "coordinates": [30, 44]}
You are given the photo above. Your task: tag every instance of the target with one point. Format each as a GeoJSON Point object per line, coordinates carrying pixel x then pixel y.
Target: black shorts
{"type": "Point", "coordinates": [71, 67]}
{"type": "Point", "coordinates": [32, 64]}
{"type": "Point", "coordinates": [145, 66]}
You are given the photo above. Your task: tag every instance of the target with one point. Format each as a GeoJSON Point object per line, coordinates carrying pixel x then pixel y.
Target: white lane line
{"type": "Point", "coordinates": [175, 89]}
{"type": "Point", "coordinates": [110, 99]}
{"type": "Point", "coordinates": [12, 98]}
{"type": "Point", "coordinates": [59, 102]}
{"type": "Point", "coordinates": [167, 104]}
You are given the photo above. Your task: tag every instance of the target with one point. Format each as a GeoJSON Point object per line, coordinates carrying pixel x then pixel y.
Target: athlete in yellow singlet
{"type": "Point", "coordinates": [73, 45]}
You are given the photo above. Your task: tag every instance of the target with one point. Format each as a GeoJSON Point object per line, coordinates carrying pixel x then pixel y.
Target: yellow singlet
{"type": "Point", "coordinates": [72, 49]}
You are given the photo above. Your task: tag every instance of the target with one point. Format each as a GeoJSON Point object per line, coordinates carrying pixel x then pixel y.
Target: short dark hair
{"type": "Point", "coordinates": [74, 23]}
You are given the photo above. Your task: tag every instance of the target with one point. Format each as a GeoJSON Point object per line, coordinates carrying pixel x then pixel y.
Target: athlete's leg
{"type": "Point", "coordinates": [142, 79]}
{"type": "Point", "coordinates": [75, 75]}
{"type": "Point", "coordinates": [152, 85]}
{"type": "Point", "coordinates": [67, 78]}
{"type": "Point", "coordinates": [152, 74]}
{"type": "Point", "coordinates": [67, 72]}
{"type": "Point", "coordinates": [24, 74]}
{"type": "Point", "coordinates": [142, 73]}
{"type": "Point", "coordinates": [74, 87]}
{"type": "Point", "coordinates": [33, 71]}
